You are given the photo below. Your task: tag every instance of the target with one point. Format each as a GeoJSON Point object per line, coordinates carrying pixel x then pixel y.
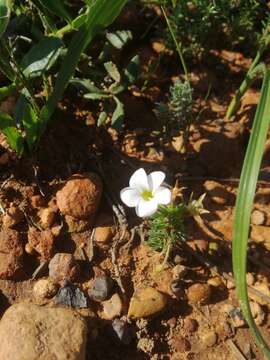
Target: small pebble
{"type": "Point", "coordinates": [199, 294]}
{"type": "Point", "coordinates": [257, 217]}
{"type": "Point", "coordinates": [70, 295]}
{"type": "Point", "coordinates": [47, 217]}
{"type": "Point", "coordinates": [209, 338]}
{"type": "Point", "coordinates": [190, 325]}
{"type": "Point", "coordinates": [216, 282]}
{"type": "Point", "coordinates": [179, 272]}
{"type": "Point", "coordinates": [264, 289]}
{"type": "Point", "coordinates": [177, 289]}
{"type": "Point", "coordinates": [45, 288]}
{"type": "Point", "coordinates": [101, 288]}
{"type": "Point", "coordinates": [257, 313]}
{"type": "Point", "coordinates": [236, 316]}
{"type": "Point", "coordinates": [230, 284]}
{"type": "Point", "coordinates": [250, 279]}
{"type": "Point", "coordinates": [113, 307]}
{"type": "Point", "coordinates": [122, 331]}
{"type": "Point", "coordinates": [12, 217]}
{"type": "Point", "coordinates": [180, 344]}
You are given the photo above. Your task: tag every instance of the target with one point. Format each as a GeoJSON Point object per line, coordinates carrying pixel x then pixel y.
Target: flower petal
{"type": "Point", "coordinates": [146, 208]}
{"type": "Point", "coordinates": [139, 180]}
{"type": "Point", "coordinates": [155, 179]}
{"type": "Point", "coordinates": [163, 195]}
{"type": "Point", "coordinates": [130, 197]}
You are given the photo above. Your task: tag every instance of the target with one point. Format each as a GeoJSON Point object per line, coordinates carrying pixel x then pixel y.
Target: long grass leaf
{"type": "Point", "coordinates": [244, 203]}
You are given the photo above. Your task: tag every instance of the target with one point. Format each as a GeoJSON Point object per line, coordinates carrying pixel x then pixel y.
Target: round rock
{"type": "Point", "coordinates": [101, 288]}
{"type": "Point", "coordinates": [63, 267]}
{"type": "Point", "coordinates": [199, 294]}
{"type": "Point", "coordinates": [80, 196]}
{"type": "Point", "coordinates": [44, 289]}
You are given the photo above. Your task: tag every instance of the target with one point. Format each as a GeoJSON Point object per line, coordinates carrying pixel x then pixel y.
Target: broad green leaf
{"type": "Point", "coordinates": [244, 204]}
{"type": "Point", "coordinates": [86, 85]}
{"type": "Point", "coordinates": [79, 21]}
{"type": "Point", "coordinates": [132, 70]}
{"type": "Point", "coordinates": [119, 38]}
{"type": "Point", "coordinates": [41, 56]}
{"type": "Point", "coordinates": [101, 14]}
{"type": "Point", "coordinates": [9, 129]}
{"type": "Point", "coordinates": [5, 10]}
{"type": "Point", "coordinates": [112, 70]}
{"type": "Point", "coordinates": [102, 118]}
{"type": "Point", "coordinates": [118, 115]}
{"type": "Point", "coordinates": [27, 117]}
{"type": "Point", "coordinates": [95, 96]}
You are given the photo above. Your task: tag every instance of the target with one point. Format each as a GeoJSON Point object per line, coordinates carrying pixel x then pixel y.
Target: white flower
{"type": "Point", "coordinates": [145, 193]}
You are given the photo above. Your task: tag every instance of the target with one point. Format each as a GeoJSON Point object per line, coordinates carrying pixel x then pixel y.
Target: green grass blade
{"type": "Point", "coordinates": [101, 14]}
{"type": "Point", "coordinates": [244, 203]}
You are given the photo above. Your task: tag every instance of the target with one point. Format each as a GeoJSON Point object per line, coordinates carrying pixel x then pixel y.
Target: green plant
{"type": "Point", "coordinates": [166, 229]}
{"type": "Point", "coordinates": [177, 113]}
{"type": "Point", "coordinates": [245, 197]}
{"type": "Point", "coordinates": [167, 226]}
{"type": "Point", "coordinates": [256, 70]}
{"type": "Point", "coordinates": [236, 22]}
{"type": "Point", "coordinates": [32, 46]}
{"type": "Point", "coordinates": [113, 85]}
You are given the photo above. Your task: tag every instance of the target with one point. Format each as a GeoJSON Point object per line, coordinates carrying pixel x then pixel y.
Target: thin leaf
{"type": "Point", "coordinates": [95, 96]}
{"type": "Point", "coordinates": [132, 71]}
{"type": "Point", "coordinates": [112, 70]}
{"type": "Point", "coordinates": [5, 10]}
{"type": "Point", "coordinates": [85, 85]}
{"type": "Point", "coordinates": [244, 203]}
{"type": "Point", "coordinates": [118, 115]}
{"type": "Point", "coordinates": [101, 14]}
{"type": "Point", "coordinates": [9, 129]}
{"type": "Point", "coordinates": [119, 38]}
{"type": "Point", "coordinates": [41, 56]}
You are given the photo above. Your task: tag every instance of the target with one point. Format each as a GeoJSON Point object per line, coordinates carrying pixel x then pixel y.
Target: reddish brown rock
{"type": "Point", "coordinates": [42, 242]}
{"type": "Point", "coordinates": [11, 254]}
{"type": "Point", "coordinates": [76, 225]}
{"type": "Point", "coordinates": [80, 196]}
{"type": "Point", "coordinates": [63, 267]}
{"type": "Point", "coordinates": [12, 217]}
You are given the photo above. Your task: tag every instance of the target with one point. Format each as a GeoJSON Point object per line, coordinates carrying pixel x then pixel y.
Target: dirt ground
{"type": "Point", "coordinates": [211, 165]}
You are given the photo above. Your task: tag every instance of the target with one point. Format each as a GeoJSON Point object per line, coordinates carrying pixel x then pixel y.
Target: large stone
{"type": "Point", "coordinates": [11, 254]}
{"type": "Point", "coordinates": [80, 196]}
{"type": "Point", "coordinates": [145, 302]}
{"type": "Point", "coordinates": [31, 332]}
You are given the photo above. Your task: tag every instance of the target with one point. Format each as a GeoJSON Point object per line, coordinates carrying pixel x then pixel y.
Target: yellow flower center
{"type": "Point", "coordinates": [147, 195]}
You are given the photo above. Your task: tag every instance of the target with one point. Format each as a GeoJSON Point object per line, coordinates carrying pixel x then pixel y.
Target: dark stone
{"type": "Point", "coordinates": [101, 289]}
{"type": "Point", "coordinates": [70, 295]}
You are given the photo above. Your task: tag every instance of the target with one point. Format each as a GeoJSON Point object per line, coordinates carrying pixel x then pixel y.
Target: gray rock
{"type": "Point", "coordinates": [101, 289]}
{"type": "Point", "coordinates": [70, 295]}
